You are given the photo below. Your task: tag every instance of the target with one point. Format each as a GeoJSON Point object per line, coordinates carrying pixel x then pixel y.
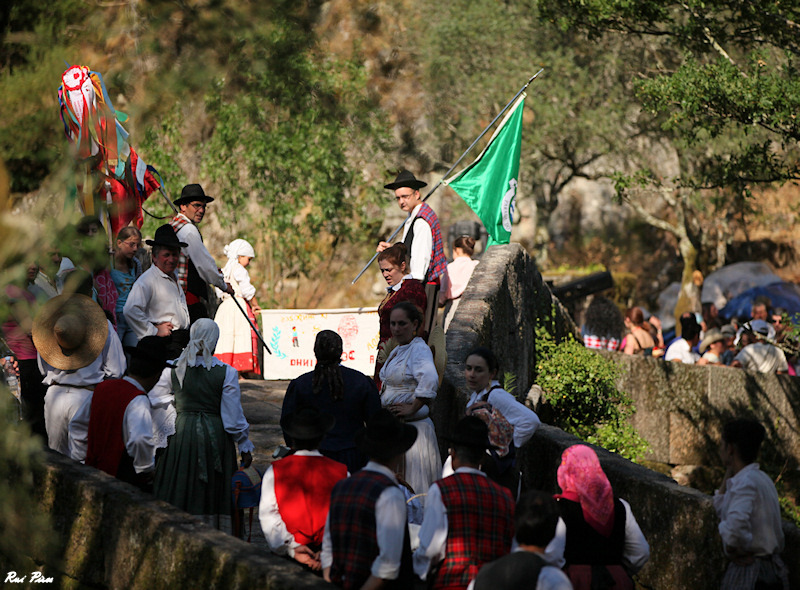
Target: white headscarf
{"type": "Point", "coordinates": [236, 248]}
{"type": "Point", "coordinates": [239, 247]}
{"type": "Point", "coordinates": [202, 341]}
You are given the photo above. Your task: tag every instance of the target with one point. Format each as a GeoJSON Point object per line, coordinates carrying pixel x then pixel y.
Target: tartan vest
{"type": "Point", "coordinates": [303, 488]}
{"type": "Point", "coordinates": [480, 527]}
{"type": "Point", "coordinates": [353, 534]}
{"type": "Point", "coordinates": [438, 263]}
{"type": "Point", "coordinates": [188, 277]}
{"type": "Point", "coordinates": [106, 447]}
{"type": "Point", "coordinates": [585, 546]}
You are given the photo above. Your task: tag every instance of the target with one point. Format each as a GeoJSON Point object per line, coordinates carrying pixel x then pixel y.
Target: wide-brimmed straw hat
{"type": "Point", "coordinates": [166, 237]}
{"type": "Point", "coordinates": [70, 332]}
{"type": "Point", "coordinates": [470, 432]}
{"type": "Point", "coordinates": [192, 192]}
{"type": "Point", "coordinates": [385, 435]}
{"type": "Point", "coordinates": [712, 336]}
{"type": "Point", "coordinates": [405, 179]}
{"type": "Point", "coordinates": [307, 423]}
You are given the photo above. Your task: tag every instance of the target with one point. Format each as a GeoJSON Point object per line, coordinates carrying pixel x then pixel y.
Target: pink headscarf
{"type": "Point", "coordinates": [582, 480]}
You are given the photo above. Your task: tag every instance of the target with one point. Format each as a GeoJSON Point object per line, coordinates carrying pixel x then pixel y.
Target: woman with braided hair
{"type": "Point", "coordinates": [348, 395]}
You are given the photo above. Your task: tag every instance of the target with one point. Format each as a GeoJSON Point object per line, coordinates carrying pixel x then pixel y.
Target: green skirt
{"type": "Point", "coordinates": [194, 473]}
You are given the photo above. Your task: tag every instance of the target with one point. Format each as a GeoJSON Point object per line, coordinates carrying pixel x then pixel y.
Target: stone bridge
{"type": "Point", "coordinates": [110, 535]}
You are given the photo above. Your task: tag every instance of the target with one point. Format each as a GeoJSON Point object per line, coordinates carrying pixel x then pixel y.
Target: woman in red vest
{"type": "Point", "coordinates": [394, 266]}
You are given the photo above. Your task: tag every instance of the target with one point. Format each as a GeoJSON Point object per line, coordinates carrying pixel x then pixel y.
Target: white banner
{"type": "Point", "coordinates": [290, 335]}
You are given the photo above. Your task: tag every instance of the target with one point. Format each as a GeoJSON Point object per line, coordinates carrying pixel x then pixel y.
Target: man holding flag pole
{"type": "Point", "coordinates": [422, 237]}
{"type": "Point", "coordinates": [489, 184]}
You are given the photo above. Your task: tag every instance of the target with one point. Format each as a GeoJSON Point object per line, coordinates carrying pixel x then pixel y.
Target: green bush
{"type": "Point", "coordinates": [580, 390]}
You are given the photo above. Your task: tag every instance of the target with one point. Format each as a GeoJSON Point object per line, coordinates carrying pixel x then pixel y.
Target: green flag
{"type": "Point", "coordinates": [489, 184]}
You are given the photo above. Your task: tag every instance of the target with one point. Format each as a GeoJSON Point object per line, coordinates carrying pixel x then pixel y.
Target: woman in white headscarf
{"type": "Point", "coordinates": [195, 471]}
{"type": "Point", "coordinates": [237, 344]}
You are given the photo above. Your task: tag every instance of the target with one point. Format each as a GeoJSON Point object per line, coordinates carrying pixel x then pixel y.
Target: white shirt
{"type": "Point", "coordinates": [154, 298]}
{"type": "Point", "coordinates": [137, 431]}
{"type": "Point", "coordinates": [522, 418]}
{"type": "Point", "coordinates": [433, 533]}
{"type": "Point", "coordinates": [390, 529]}
{"type": "Point", "coordinates": [110, 364]}
{"type": "Point", "coordinates": [636, 550]}
{"type": "Point", "coordinates": [681, 350]}
{"type": "Point", "coordinates": [278, 537]}
{"type": "Point", "coordinates": [749, 513]}
{"type": "Point", "coordinates": [761, 357]}
{"type": "Point", "coordinates": [238, 275]}
{"type": "Point", "coordinates": [196, 252]}
{"type": "Point", "coordinates": [419, 367]}
{"type": "Point", "coordinates": [230, 409]}
{"type": "Point", "coordinates": [421, 245]}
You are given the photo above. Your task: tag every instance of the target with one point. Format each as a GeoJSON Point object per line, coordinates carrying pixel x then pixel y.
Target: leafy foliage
{"type": "Point", "coordinates": [725, 92]}
{"type": "Point", "coordinates": [580, 389]}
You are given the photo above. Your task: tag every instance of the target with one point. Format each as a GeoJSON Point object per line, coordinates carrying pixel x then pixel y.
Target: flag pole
{"type": "Point", "coordinates": [453, 167]}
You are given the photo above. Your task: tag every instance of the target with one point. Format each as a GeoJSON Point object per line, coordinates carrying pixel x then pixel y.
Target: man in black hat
{"type": "Point", "coordinates": [421, 233]}
{"type": "Point", "coordinates": [469, 519]}
{"type": "Point", "coordinates": [296, 490]}
{"type": "Point", "coordinates": [156, 305]}
{"type": "Point", "coordinates": [366, 541]}
{"type": "Point", "coordinates": [113, 429]}
{"type": "Point", "coordinates": [196, 268]}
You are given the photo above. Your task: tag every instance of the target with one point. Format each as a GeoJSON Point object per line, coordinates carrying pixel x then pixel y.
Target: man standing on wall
{"type": "Point", "coordinates": [196, 268]}
{"type": "Point", "coordinates": [422, 237]}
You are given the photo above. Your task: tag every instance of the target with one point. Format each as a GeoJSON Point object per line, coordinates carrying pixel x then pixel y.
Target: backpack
{"type": "Point", "coordinates": [246, 490]}
{"type": "Point", "coordinates": [501, 432]}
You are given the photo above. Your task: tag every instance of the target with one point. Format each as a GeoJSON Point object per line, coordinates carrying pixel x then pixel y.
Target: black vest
{"type": "Point", "coordinates": [585, 546]}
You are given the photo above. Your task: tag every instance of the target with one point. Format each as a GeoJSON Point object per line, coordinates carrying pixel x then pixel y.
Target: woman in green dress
{"type": "Point", "coordinates": [195, 471]}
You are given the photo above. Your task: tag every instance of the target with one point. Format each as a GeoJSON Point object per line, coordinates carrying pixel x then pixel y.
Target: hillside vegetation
{"type": "Point", "coordinates": [294, 115]}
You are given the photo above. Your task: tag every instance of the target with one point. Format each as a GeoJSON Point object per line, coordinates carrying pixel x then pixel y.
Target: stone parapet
{"type": "Point", "coordinates": [680, 409]}
{"type": "Point", "coordinates": [111, 535]}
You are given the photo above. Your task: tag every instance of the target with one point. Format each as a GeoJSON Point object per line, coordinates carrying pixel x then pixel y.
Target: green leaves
{"type": "Point", "coordinates": [580, 390]}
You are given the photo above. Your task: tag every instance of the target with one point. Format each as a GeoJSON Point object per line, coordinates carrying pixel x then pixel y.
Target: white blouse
{"type": "Point", "coordinates": [162, 400]}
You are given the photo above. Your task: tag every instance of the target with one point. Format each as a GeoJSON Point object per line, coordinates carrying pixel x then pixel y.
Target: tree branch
{"type": "Point", "coordinates": [651, 219]}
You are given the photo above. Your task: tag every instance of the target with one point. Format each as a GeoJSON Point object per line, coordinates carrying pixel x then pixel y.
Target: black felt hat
{"type": "Point", "coordinates": [471, 432]}
{"type": "Point", "coordinates": [151, 349]}
{"type": "Point", "coordinates": [192, 192]}
{"type": "Point", "coordinates": [307, 423]}
{"type": "Point", "coordinates": [385, 435]}
{"type": "Point", "coordinates": [405, 179]}
{"type": "Point", "coordinates": [166, 236]}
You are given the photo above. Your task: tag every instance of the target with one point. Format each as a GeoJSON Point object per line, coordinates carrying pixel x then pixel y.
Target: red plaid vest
{"type": "Point", "coordinates": [480, 527]}
{"type": "Point", "coordinates": [188, 278]}
{"type": "Point", "coordinates": [438, 263]}
{"type": "Point", "coordinates": [303, 490]}
{"type": "Point", "coordinates": [182, 272]}
{"type": "Point", "coordinates": [352, 522]}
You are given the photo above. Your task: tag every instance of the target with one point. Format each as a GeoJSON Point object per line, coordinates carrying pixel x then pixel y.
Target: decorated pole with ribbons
{"type": "Point", "coordinates": [514, 102]}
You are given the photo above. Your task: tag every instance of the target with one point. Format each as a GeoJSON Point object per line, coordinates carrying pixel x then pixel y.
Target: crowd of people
{"type": "Point", "coordinates": [759, 344]}
{"type": "Point", "coordinates": [122, 369]}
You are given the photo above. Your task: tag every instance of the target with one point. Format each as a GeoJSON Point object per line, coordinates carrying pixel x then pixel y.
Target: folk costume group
{"type": "Point", "coordinates": [363, 496]}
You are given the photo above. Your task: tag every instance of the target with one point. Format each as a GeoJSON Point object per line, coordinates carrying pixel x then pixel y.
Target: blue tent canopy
{"type": "Point", "coordinates": [785, 295]}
